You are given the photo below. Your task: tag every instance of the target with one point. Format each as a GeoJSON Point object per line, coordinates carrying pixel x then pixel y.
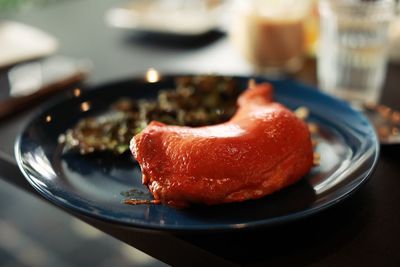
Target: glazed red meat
{"type": "Point", "coordinates": [262, 149]}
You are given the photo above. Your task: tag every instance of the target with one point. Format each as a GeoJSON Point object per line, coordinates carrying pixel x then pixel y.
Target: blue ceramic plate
{"type": "Point", "coordinates": [94, 185]}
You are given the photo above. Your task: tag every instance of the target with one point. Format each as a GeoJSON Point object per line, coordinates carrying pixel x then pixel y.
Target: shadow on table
{"type": "Point", "coordinates": [157, 40]}
{"type": "Point", "coordinates": [299, 243]}
{"type": "Point", "coordinates": [293, 199]}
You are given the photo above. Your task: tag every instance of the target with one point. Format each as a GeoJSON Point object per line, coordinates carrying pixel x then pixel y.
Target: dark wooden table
{"type": "Point", "coordinates": [363, 230]}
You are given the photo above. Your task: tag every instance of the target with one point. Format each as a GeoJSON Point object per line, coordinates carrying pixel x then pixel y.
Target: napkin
{"type": "Point", "coordinates": [20, 42]}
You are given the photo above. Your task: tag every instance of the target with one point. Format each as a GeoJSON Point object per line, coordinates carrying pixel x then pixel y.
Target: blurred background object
{"type": "Point", "coordinates": [30, 83]}
{"type": "Point", "coordinates": [312, 29]}
{"type": "Point", "coordinates": [182, 17]}
{"type": "Point", "coordinates": [394, 37]}
{"type": "Point", "coordinates": [353, 48]}
{"type": "Point", "coordinates": [271, 34]}
{"type": "Point", "coordinates": [21, 42]}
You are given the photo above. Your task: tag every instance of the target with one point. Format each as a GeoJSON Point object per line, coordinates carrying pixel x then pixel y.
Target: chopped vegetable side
{"type": "Point", "coordinates": [195, 101]}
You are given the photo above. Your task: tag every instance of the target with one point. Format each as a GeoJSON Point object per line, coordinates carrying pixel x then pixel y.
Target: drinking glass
{"type": "Point", "coordinates": [270, 34]}
{"type": "Point", "coordinates": [353, 46]}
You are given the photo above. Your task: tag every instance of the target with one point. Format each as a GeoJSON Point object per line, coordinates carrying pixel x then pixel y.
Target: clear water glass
{"type": "Point", "coordinates": [353, 46]}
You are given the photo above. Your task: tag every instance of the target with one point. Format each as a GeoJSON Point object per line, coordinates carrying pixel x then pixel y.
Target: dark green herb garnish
{"type": "Point", "coordinates": [196, 101]}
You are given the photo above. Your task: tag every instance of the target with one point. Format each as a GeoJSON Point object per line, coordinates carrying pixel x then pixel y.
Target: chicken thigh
{"type": "Point", "coordinates": [263, 148]}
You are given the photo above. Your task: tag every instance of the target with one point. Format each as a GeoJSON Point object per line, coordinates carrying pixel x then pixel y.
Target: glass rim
{"type": "Point", "coordinates": [360, 3]}
{"type": "Point", "coordinates": [358, 8]}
